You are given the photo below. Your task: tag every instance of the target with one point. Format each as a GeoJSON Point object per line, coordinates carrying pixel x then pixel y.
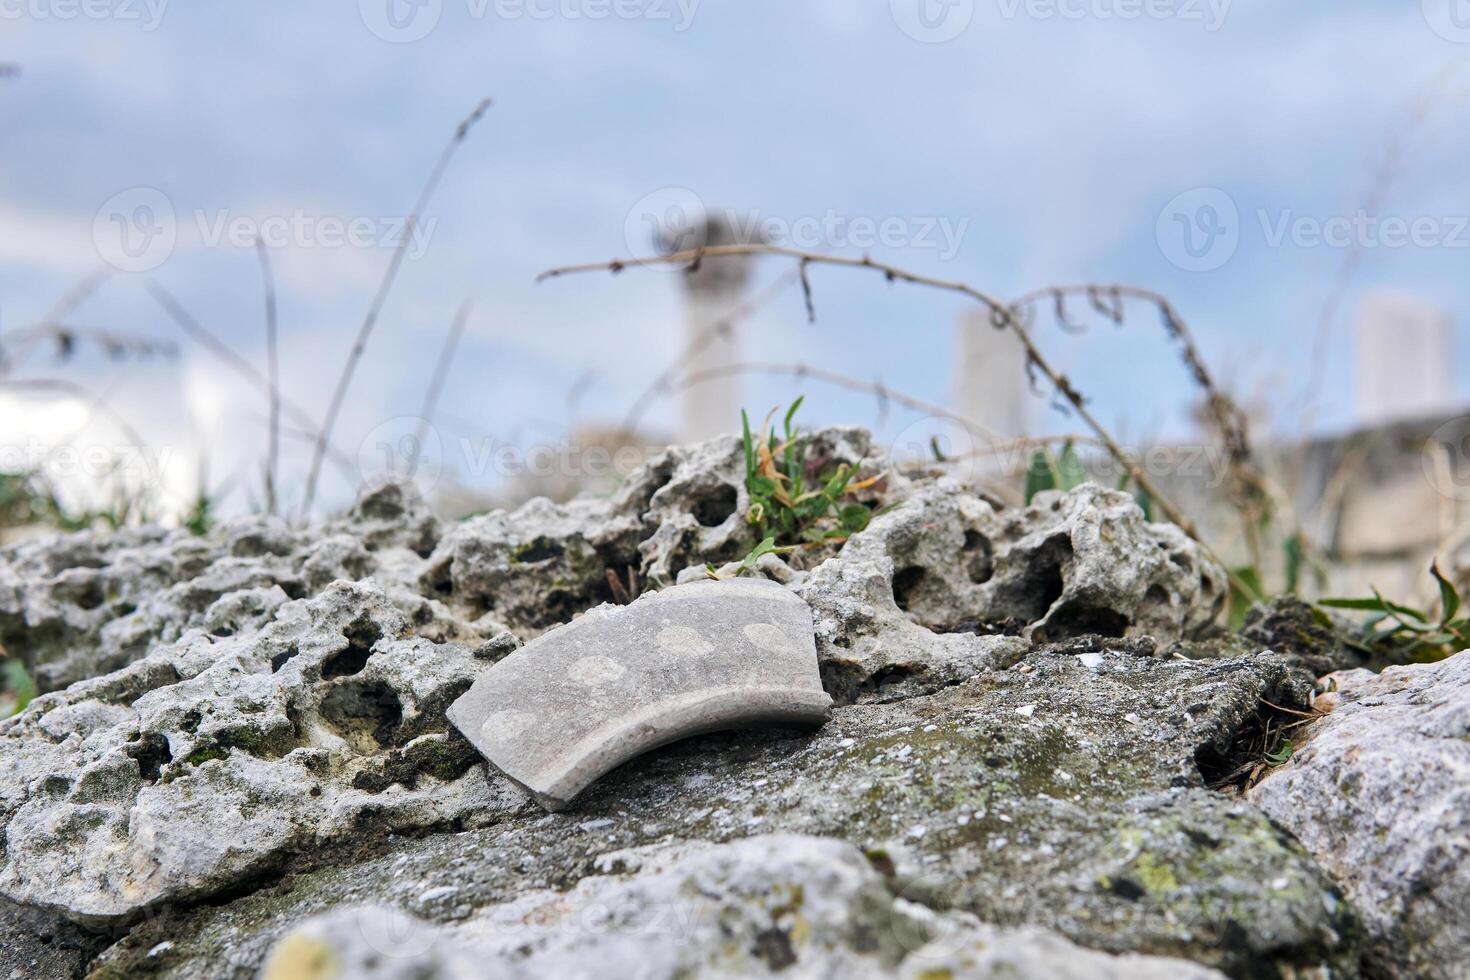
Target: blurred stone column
{"type": "Point", "coordinates": [1405, 359]}
{"type": "Point", "coordinates": [990, 384]}
{"type": "Point", "coordinates": [713, 295]}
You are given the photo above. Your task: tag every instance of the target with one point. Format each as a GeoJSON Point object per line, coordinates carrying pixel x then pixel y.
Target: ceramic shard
{"type": "Point", "coordinates": [621, 680]}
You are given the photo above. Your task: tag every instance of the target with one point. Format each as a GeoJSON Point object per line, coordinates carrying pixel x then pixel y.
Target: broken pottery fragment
{"type": "Point", "coordinates": [687, 660]}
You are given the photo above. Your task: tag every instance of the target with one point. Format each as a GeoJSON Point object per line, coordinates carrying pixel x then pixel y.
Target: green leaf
{"type": "Point", "coordinates": [839, 482]}
{"type": "Point", "coordinates": [936, 450]}
{"type": "Point", "coordinates": [1241, 600]}
{"type": "Point", "coordinates": [791, 414]}
{"type": "Point", "coordinates": [1293, 549]}
{"type": "Point", "coordinates": [19, 682]}
{"type": "Point", "coordinates": [1374, 605]}
{"type": "Point", "coordinates": [749, 446]}
{"type": "Point", "coordinates": [1070, 473]}
{"type": "Point", "coordinates": [1449, 596]}
{"type": "Point", "coordinates": [766, 546]}
{"type": "Point", "coordinates": [1040, 475]}
{"type": "Point", "coordinates": [1281, 756]}
{"type": "Point", "coordinates": [854, 517]}
{"type": "Point", "coordinates": [1145, 503]}
{"type": "Point", "coordinates": [1400, 610]}
{"type": "Point", "coordinates": [762, 486]}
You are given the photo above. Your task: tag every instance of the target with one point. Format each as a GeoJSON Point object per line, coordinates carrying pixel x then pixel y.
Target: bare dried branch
{"type": "Point", "coordinates": [390, 275]}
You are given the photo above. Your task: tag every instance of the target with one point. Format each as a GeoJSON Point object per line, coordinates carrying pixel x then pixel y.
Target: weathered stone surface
{"type": "Point", "coordinates": [1380, 794]}
{"type": "Point", "coordinates": [1304, 633]}
{"type": "Point", "coordinates": [214, 759]}
{"type": "Point", "coordinates": [77, 606]}
{"type": "Point", "coordinates": [262, 739]}
{"type": "Point", "coordinates": [1082, 562]}
{"type": "Point", "coordinates": [1061, 793]}
{"type": "Point", "coordinates": [778, 905]}
{"type": "Point", "coordinates": [621, 680]}
{"type": "Point", "coordinates": [899, 610]}
{"type": "Point", "coordinates": [540, 565]}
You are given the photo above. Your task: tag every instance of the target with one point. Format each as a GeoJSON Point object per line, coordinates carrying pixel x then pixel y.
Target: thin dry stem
{"type": "Point", "coordinates": [202, 336]}
{"type": "Point", "coordinates": [390, 275]}
{"type": "Point", "coordinates": [441, 369]}
{"type": "Point", "coordinates": [877, 389]}
{"type": "Point", "coordinates": [1002, 315]}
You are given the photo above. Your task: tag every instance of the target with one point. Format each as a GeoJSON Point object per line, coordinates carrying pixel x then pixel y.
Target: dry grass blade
{"type": "Point", "coordinates": [249, 372]}
{"type": "Point", "coordinates": [799, 370]}
{"type": "Point", "coordinates": [1248, 491]}
{"type": "Point", "coordinates": [1001, 313]}
{"type": "Point", "coordinates": [441, 369]}
{"type": "Point", "coordinates": [390, 275]}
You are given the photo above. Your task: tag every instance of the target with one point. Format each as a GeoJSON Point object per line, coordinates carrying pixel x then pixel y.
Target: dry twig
{"type": "Point", "coordinates": [384, 288]}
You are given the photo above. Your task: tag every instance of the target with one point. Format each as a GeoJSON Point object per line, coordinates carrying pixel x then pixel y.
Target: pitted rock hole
{"type": "Point", "coordinates": [365, 714]}
{"type": "Point", "coordinates": [361, 636]}
{"type": "Point", "coordinates": [1038, 589]}
{"type": "Point", "coordinates": [905, 582]}
{"type": "Point", "coordinates": [151, 753]}
{"type": "Point", "coordinates": [979, 557]}
{"type": "Point", "coordinates": [715, 507]}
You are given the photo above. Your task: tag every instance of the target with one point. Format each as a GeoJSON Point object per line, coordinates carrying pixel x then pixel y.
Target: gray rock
{"type": "Point", "coordinates": [81, 605]}
{"type": "Point", "coordinates": [212, 761]}
{"type": "Point", "coordinates": [1380, 794]}
{"type": "Point", "coordinates": [898, 610]}
{"type": "Point", "coordinates": [542, 564]}
{"type": "Point", "coordinates": [256, 735]}
{"type": "Point", "coordinates": [1061, 794]}
{"type": "Point", "coordinates": [778, 905]}
{"type": "Point", "coordinates": [621, 680]}
{"type": "Point", "coordinates": [1069, 564]}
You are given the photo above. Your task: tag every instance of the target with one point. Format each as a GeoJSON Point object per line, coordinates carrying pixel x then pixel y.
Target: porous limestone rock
{"type": "Point", "coordinates": [776, 905]}
{"type": "Point", "coordinates": [584, 698]}
{"type": "Point", "coordinates": [1062, 793]}
{"type": "Point", "coordinates": [215, 759]}
{"type": "Point", "coordinates": [1380, 794]}
{"type": "Point", "coordinates": [899, 609]}
{"type": "Point", "coordinates": [256, 735]}
{"type": "Point", "coordinates": [80, 605]}
{"type": "Point", "coordinates": [538, 566]}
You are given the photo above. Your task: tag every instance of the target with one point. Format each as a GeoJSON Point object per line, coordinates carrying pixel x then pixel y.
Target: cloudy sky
{"type": "Point", "coordinates": [1012, 144]}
